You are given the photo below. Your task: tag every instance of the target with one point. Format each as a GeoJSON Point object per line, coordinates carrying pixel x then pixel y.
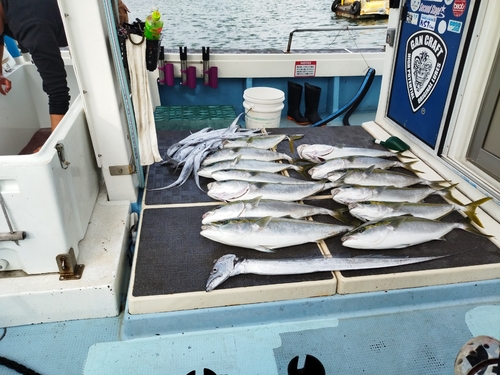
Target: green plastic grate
{"type": "Point", "coordinates": [178, 117]}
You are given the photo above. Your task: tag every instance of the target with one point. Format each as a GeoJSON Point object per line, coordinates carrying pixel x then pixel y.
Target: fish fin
{"type": "Point", "coordinates": [468, 227]}
{"type": "Point", "coordinates": [263, 221]}
{"type": "Point", "coordinates": [339, 215]}
{"type": "Point", "coordinates": [445, 192]}
{"type": "Point", "coordinates": [436, 185]}
{"type": "Point", "coordinates": [470, 210]}
{"type": "Point", "coordinates": [255, 201]}
{"type": "Point", "coordinates": [264, 249]}
{"type": "Point", "coordinates": [369, 171]}
{"type": "Point", "coordinates": [236, 160]}
{"type": "Point", "coordinates": [292, 139]}
{"type": "Point", "coordinates": [409, 166]}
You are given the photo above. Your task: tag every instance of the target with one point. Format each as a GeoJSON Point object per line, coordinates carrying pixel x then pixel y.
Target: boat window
{"type": "Point", "coordinates": [484, 150]}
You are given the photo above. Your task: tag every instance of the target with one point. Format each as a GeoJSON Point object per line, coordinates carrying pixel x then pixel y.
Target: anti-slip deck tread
{"type": "Point", "coordinates": [174, 259]}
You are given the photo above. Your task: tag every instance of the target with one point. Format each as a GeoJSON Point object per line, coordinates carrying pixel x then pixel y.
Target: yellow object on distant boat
{"type": "Point", "coordinates": [360, 8]}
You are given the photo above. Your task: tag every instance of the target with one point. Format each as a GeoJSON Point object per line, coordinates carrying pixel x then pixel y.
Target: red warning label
{"type": "Point", "coordinates": [305, 68]}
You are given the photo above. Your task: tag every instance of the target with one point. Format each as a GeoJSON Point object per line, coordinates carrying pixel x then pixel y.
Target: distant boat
{"type": "Point", "coordinates": [360, 9]}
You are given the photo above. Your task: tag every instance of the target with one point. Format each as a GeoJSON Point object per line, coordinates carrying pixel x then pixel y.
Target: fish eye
{"type": "Point", "coordinates": [214, 270]}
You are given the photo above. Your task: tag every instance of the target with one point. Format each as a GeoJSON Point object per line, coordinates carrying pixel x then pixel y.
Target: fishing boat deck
{"type": "Point", "coordinates": [173, 261]}
{"type": "Point", "coordinates": [411, 319]}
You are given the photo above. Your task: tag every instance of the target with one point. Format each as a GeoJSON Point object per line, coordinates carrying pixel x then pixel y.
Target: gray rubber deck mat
{"type": "Point", "coordinates": [174, 258]}
{"type": "Point", "coordinates": [161, 229]}
{"type": "Point", "coordinates": [162, 175]}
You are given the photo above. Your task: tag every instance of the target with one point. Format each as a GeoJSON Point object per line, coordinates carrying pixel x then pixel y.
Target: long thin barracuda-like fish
{"type": "Point", "coordinates": [230, 265]}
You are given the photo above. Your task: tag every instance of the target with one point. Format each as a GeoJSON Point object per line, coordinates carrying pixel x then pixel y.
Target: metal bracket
{"type": "Point", "coordinates": [60, 152]}
{"type": "Point", "coordinates": [389, 38]}
{"type": "Point", "coordinates": [121, 170]}
{"type": "Point", "coordinates": [68, 268]}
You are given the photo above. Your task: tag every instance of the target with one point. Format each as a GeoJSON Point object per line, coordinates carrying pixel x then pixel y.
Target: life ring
{"type": "Point", "coordinates": [335, 4]}
{"type": "Point", "coordinates": [355, 8]}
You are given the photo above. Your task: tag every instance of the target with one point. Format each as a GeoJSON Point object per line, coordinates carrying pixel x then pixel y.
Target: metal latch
{"type": "Point", "coordinates": [68, 268]}
{"type": "Point", "coordinates": [389, 38]}
{"type": "Point", "coordinates": [118, 170]}
{"type": "Point", "coordinates": [62, 159]}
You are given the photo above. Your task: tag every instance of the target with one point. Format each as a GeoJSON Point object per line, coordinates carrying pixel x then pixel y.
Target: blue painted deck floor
{"type": "Point", "coordinates": [417, 335]}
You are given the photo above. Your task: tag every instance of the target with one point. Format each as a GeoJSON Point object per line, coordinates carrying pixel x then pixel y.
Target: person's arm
{"type": "Point", "coordinates": [5, 84]}
{"type": "Point", "coordinates": [44, 49]}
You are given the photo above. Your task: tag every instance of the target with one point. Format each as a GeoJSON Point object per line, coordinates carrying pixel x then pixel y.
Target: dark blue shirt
{"type": "Point", "coordinates": [38, 27]}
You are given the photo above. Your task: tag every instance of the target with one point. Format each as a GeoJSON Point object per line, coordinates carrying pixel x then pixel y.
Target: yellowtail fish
{"type": "Point", "coordinates": [322, 170]}
{"type": "Point", "coordinates": [258, 207]}
{"type": "Point", "coordinates": [267, 234]}
{"type": "Point", "coordinates": [369, 211]}
{"type": "Point", "coordinates": [250, 153]}
{"type": "Point", "coordinates": [319, 152]}
{"type": "Point", "coordinates": [265, 141]}
{"type": "Point", "coordinates": [352, 194]}
{"type": "Point", "coordinates": [382, 177]}
{"type": "Point", "coordinates": [400, 232]}
{"type": "Point", "coordinates": [228, 191]}
{"type": "Point", "coordinates": [253, 176]}
{"type": "Point", "coordinates": [246, 165]}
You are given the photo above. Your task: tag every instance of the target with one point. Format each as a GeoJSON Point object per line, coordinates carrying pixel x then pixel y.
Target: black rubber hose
{"type": "Point", "coordinates": [360, 97]}
{"type": "Point", "coordinates": [13, 365]}
{"type": "Point", "coordinates": [363, 89]}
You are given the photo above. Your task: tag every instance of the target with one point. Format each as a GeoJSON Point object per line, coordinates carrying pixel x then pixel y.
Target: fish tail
{"type": "Point", "coordinates": [470, 210]}
{"type": "Point", "coordinates": [292, 139]}
{"type": "Point", "coordinates": [339, 215]}
{"type": "Point", "coordinates": [409, 166]}
{"type": "Point", "coordinates": [445, 192]}
{"type": "Point", "coordinates": [468, 227]}
{"type": "Point", "coordinates": [436, 185]}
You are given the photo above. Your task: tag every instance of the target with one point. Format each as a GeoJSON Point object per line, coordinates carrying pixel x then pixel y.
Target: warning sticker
{"type": "Point", "coordinates": [305, 68]}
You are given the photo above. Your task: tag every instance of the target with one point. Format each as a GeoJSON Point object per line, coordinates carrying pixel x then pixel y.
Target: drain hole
{"type": "Point", "coordinates": [312, 366]}
{"type": "Point", "coordinates": [206, 371]}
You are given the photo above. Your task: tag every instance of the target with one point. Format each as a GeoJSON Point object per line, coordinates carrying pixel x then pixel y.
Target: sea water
{"type": "Point", "coordinates": [255, 24]}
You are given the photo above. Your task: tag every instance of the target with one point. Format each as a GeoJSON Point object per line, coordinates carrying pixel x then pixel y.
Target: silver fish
{"type": "Point", "coordinates": [265, 141]}
{"type": "Point", "coordinates": [369, 211]}
{"type": "Point", "coordinates": [400, 232]}
{"type": "Point", "coordinates": [382, 177]}
{"type": "Point", "coordinates": [322, 170]}
{"type": "Point", "coordinates": [352, 194]}
{"type": "Point", "coordinates": [251, 176]}
{"type": "Point", "coordinates": [186, 171]}
{"type": "Point", "coordinates": [267, 234]}
{"type": "Point", "coordinates": [189, 152]}
{"type": "Point", "coordinates": [234, 131]}
{"type": "Point", "coordinates": [320, 152]}
{"type": "Point", "coordinates": [246, 165]}
{"type": "Point", "coordinates": [256, 208]}
{"type": "Point", "coordinates": [228, 191]}
{"type": "Point", "coordinates": [230, 265]}
{"type": "Point", "coordinates": [226, 154]}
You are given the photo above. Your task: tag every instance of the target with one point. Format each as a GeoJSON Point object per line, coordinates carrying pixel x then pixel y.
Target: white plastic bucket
{"type": "Point", "coordinates": [263, 106]}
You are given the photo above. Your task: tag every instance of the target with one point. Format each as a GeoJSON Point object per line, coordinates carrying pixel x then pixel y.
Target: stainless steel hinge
{"type": "Point", "coordinates": [68, 268]}
{"type": "Point", "coordinates": [62, 159]}
{"type": "Point", "coordinates": [119, 170]}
